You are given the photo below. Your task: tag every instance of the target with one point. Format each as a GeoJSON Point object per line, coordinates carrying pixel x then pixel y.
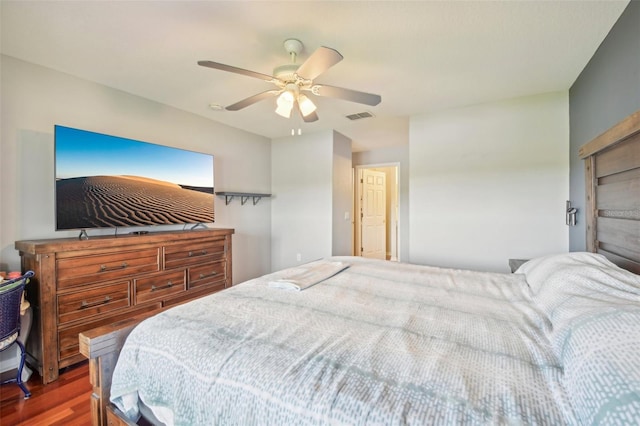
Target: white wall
{"type": "Point", "coordinates": [301, 206]}
{"type": "Point", "coordinates": [482, 184]}
{"type": "Point", "coordinates": [311, 185]}
{"type": "Point", "coordinates": [35, 98]}
{"type": "Point", "coordinates": [342, 198]}
{"type": "Point", "coordinates": [489, 183]}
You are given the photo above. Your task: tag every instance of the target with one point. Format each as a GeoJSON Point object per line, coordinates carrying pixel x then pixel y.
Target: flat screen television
{"type": "Point", "coordinates": [105, 181]}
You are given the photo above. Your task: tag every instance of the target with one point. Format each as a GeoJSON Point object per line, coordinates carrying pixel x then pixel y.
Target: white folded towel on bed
{"type": "Point", "coordinates": [314, 274]}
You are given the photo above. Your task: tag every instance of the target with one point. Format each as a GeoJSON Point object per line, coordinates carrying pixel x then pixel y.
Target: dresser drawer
{"type": "Point", "coordinates": [182, 255]}
{"type": "Point", "coordinates": [211, 273]}
{"type": "Point", "coordinates": [160, 286]}
{"type": "Point", "coordinates": [68, 343]}
{"type": "Point", "coordinates": [106, 266]}
{"type": "Point", "coordinates": [87, 303]}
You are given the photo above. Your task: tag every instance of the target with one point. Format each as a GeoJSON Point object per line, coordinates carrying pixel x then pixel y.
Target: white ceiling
{"type": "Point", "coordinates": [420, 56]}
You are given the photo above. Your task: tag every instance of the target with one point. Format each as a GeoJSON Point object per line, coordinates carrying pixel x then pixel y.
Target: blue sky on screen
{"type": "Point", "coordinates": [81, 153]}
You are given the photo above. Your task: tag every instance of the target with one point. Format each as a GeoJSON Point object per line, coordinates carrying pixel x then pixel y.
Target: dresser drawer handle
{"type": "Point", "coordinates": [85, 304]}
{"type": "Point", "coordinates": [202, 253]}
{"type": "Point", "coordinates": [104, 268]}
{"type": "Point", "coordinates": [213, 274]}
{"type": "Point", "coordinates": [169, 285]}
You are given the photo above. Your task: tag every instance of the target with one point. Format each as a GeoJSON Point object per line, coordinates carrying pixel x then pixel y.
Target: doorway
{"type": "Point", "coordinates": [376, 223]}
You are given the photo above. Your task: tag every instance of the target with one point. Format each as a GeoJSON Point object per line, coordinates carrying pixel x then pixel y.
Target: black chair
{"type": "Point", "coordinates": [10, 299]}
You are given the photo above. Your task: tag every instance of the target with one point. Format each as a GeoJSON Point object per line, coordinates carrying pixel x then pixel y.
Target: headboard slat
{"type": "Point", "coordinates": [615, 195]}
{"type": "Point", "coordinates": [622, 262]}
{"type": "Point", "coordinates": [619, 158]}
{"type": "Point", "coordinates": [622, 233]}
{"type": "Point", "coordinates": [612, 173]}
{"type": "Point", "coordinates": [627, 127]}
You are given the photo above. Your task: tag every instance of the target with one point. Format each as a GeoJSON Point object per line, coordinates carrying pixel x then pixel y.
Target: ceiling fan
{"type": "Point", "coordinates": [293, 81]}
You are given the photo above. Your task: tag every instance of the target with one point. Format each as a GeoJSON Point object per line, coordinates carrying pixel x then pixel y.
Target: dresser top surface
{"type": "Point", "coordinates": [108, 241]}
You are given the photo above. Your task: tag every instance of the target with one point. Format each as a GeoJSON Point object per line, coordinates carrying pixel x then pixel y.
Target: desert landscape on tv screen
{"type": "Point", "coordinates": [106, 181]}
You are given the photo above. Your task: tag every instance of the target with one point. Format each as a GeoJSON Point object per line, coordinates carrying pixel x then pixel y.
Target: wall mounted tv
{"type": "Point", "coordinates": [106, 181]}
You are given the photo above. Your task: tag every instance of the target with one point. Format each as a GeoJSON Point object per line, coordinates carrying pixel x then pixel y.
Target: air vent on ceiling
{"type": "Point", "coordinates": [359, 115]}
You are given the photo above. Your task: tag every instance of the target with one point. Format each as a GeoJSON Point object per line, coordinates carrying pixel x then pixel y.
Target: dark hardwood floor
{"type": "Point", "coordinates": [63, 402]}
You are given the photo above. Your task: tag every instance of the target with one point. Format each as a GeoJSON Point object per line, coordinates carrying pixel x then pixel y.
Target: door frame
{"type": "Point", "coordinates": [357, 237]}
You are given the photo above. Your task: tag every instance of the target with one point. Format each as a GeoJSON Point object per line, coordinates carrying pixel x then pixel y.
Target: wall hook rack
{"type": "Point", "coordinates": [244, 196]}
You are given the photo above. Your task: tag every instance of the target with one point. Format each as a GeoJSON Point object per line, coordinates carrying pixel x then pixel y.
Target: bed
{"type": "Point", "coordinates": [376, 342]}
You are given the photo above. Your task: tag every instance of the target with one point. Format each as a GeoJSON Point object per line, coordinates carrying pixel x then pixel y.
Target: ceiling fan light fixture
{"type": "Point", "coordinates": [284, 110]}
{"type": "Point", "coordinates": [286, 97]}
{"type": "Point", "coordinates": [284, 104]}
{"type": "Point", "coordinates": [306, 105]}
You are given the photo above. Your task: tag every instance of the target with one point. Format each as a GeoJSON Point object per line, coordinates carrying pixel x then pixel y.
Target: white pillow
{"type": "Point", "coordinates": [581, 266]}
{"type": "Point", "coordinates": [594, 310]}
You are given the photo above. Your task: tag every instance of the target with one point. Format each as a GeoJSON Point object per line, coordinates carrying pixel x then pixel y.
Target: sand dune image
{"type": "Point", "coordinates": [113, 201]}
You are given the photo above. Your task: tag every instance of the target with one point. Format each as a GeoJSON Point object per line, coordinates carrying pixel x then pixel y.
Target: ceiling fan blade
{"type": "Point", "coordinates": [320, 61]}
{"type": "Point", "coordinates": [236, 70]}
{"type": "Point", "coordinates": [251, 100]}
{"type": "Point", "coordinates": [346, 94]}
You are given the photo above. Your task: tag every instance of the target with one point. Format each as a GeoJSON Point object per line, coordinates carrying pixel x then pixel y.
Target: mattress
{"type": "Point", "coordinates": [377, 343]}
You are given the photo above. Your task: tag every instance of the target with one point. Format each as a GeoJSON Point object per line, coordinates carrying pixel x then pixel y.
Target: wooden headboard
{"type": "Point", "coordinates": [612, 166]}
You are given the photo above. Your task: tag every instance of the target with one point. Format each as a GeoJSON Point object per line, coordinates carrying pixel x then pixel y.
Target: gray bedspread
{"type": "Point", "coordinates": [379, 343]}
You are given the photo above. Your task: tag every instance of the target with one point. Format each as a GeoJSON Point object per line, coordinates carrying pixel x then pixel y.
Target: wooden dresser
{"type": "Point", "coordinates": [84, 284]}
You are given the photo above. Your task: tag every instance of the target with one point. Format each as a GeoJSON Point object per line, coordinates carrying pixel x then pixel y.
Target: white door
{"type": "Point", "coordinates": [373, 215]}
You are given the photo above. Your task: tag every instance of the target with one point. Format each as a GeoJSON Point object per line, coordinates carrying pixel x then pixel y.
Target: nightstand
{"type": "Point", "coordinates": [514, 264]}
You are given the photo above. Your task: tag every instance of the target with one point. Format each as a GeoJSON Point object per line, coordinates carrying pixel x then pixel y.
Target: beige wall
{"type": "Point", "coordinates": [34, 99]}
{"type": "Point", "coordinates": [482, 184]}
{"type": "Point", "coordinates": [489, 182]}
{"type": "Point", "coordinates": [310, 193]}
{"type": "Point", "coordinates": [342, 198]}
